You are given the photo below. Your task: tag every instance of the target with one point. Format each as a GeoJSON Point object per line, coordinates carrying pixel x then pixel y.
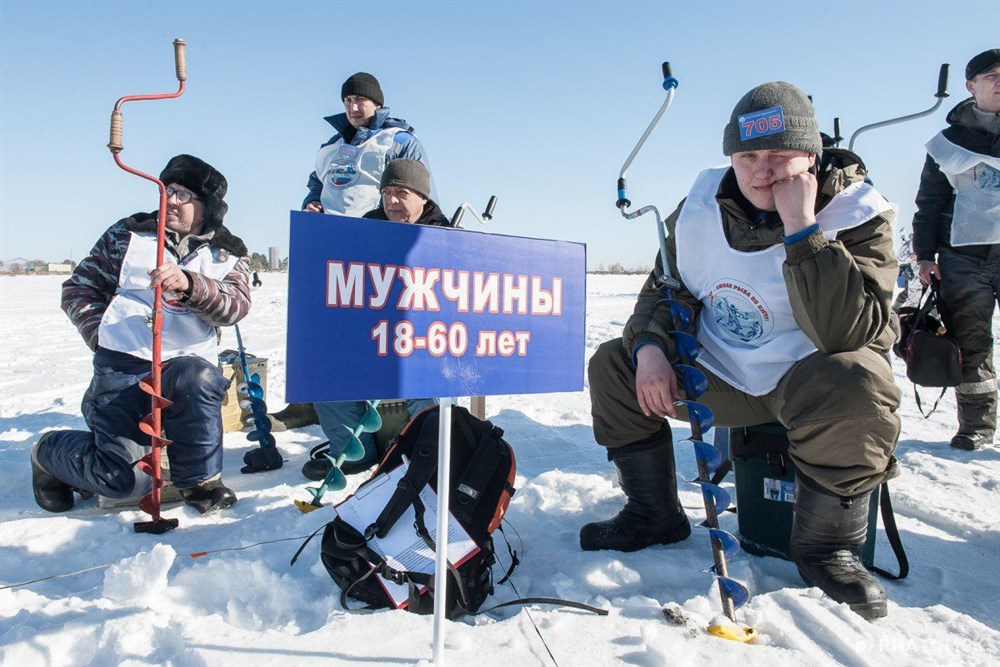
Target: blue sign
{"type": "Point", "coordinates": [385, 310]}
{"type": "Point", "coordinates": [761, 123]}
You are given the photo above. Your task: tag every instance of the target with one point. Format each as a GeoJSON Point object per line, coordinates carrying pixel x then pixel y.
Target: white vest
{"type": "Point", "coordinates": [127, 323]}
{"type": "Point", "coordinates": [746, 326]}
{"type": "Point", "coordinates": [976, 180]}
{"type": "Point", "coordinates": [351, 174]}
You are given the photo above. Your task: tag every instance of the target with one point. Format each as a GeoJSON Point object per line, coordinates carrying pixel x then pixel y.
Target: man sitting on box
{"type": "Point", "coordinates": [785, 256]}
{"type": "Point", "coordinates": [109, 297]}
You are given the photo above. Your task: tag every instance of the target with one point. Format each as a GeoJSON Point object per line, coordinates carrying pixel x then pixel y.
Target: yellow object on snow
{"type": "Point", "coordinates": [733, 633]}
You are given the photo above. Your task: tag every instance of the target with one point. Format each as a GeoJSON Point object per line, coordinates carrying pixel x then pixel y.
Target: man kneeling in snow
{"type": "Point", "coordinates": [109, 298]}
{"type": "Point", "coordinates": [785, 257]}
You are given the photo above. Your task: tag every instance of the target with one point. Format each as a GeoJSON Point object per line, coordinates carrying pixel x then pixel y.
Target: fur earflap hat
{"type": "Point", "coordinates": [204, 180]}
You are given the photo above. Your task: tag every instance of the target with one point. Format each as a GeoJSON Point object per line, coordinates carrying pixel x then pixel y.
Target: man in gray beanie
{"type": "Point", "coordinates": [956, 239]}
{"type": "Point", "coordinates": [406, 195]}
{"type": "Point", "coordinates": [784, 258]}
{"type": "Point", "coordinates": [348, 173]}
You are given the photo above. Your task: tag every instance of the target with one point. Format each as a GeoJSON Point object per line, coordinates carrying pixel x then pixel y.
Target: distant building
{"type": "Point", "coordinates": [59, 268]}
{"type": "Point", "coordinates": [273, 258]}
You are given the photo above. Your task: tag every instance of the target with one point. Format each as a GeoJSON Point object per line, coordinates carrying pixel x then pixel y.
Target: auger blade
{"type": "Point", "coordinates": [688, 347]}
{"type": "Point", "coordinates": [145, 464]}
{"type": "Point", "coordinates": [254, 389]}
{"type": "Point", "coordinates": [146, 426]}
{"type": "Point", "coordinates": [353, 450]}
{"type": "Point", "coordinates": [699, 415]}
{"type": "Point", "coordinates": [682, 314]}
{"type": "Point", "coordinates": [735, 591]}
{"type": "Point", "coordinates": [707, 453]}
{"type": "Point", "coordinates": [695, 382]}
{"type": "Point", "coordinates": [305, 507]}
{"type": "Point", "coordinates": [335, 480]}
{"type": "Point", "coordinates": [265, 439]}
{"type": "Point", "coordinates": [157, 400]}
{"type": "Point", "coordinates": [716, 495]}
{"type": "Point", "coordinates": [146, 505]}
{"type": "Point", "coordinates": [730, 545]}
{"type": "Point", "coordinates": [371, 420]}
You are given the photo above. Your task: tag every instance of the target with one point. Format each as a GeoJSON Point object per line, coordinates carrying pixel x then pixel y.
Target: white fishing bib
{"type": "Point", "coordinates": [746, 326]}
{"type": "Point", "coordinates": [351, 174]}
{"type": "Point", "coordinates": [976, 180]}
{"type": "Point", "coordinates": [127, 323]}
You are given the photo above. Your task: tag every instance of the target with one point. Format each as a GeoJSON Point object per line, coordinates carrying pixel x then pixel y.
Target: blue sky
{"type": "Point", "coordinates": [538, 103]}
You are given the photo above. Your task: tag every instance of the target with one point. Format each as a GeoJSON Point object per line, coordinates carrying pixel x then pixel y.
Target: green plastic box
{"type": "Point", "coordinates": [765, 492]}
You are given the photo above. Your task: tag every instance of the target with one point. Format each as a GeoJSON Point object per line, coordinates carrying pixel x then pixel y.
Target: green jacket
{"type": "Point", "coordinates": [840, 290]}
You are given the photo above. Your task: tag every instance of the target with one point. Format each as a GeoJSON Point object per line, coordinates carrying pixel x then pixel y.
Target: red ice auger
{"type": "Point", "coordinates": [152, 424]}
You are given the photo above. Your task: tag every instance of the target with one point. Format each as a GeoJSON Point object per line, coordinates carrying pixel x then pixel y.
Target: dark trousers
{"type": "Point", "coordinates": [839, 409]}
{"type": "Point", "coordinates": [970, 288]}
{"type": "Point", "coordinates": [102, 460]}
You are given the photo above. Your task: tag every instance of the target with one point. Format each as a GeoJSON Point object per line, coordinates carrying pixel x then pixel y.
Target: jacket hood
{"type": "Point", "coordinates": [222, 239]}
{"type": "Point", "coordinates": [381, 120]}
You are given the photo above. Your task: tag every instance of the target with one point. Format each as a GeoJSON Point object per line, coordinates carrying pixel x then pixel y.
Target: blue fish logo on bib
{"type": "Point", "coordinates": [739, 311]}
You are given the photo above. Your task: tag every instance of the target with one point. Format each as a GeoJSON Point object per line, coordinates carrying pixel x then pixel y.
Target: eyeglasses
{"type": "Point", "coordinates": [183, 196]}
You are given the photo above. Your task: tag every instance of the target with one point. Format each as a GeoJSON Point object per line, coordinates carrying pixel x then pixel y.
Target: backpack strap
{"type": "Point", "coordinates": [423, 465]}
{"type": "Point", "coordinates": [892, 533]}
{"type": "Point", "coordinates": [480, 469]}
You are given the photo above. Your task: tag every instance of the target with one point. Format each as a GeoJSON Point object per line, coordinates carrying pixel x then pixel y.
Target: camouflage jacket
{"type": "Point", "coordinates": [87, 293]}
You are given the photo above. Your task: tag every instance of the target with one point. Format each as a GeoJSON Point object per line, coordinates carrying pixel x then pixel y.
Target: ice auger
{"type": "Point", "coordinates": [266, 457]}
{"type": "Point", "coordinates": [695, 383]}
{"type": "Point", "coordinates": [371, 422]}
{"type": "Point", "coordinates": [152, 424]}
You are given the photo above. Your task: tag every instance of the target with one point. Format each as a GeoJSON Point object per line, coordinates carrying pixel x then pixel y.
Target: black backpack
{"type": "Point", "coordinates": [482, 483]}
{"type": "Point", "coordinates": [928, 348]}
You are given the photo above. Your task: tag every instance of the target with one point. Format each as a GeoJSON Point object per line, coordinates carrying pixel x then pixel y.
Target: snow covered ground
{"type": "Point", "coordinates": [250, 607]}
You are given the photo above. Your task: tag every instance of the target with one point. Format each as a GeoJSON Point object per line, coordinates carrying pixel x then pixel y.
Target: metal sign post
{"type": "Point", "coordinates": [441, 554]}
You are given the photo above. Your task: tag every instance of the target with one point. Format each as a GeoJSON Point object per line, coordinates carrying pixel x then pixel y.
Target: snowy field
{"type": "Point", "coordinates": [250, 607]}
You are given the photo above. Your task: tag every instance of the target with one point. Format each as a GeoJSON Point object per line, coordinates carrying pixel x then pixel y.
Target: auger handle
{"type": "Point", "coordinates": [180, 59]}
{"type": "Point", "coordinates": [943, 81]}
{"type": "Point", "coordinates": [117, 125]}
{"type": "Point", "coordinates": [457, 218]}
{"type": "Point", "coordinates": [492, 204]}
{"type": "Point", "coordinates": [668, 78]}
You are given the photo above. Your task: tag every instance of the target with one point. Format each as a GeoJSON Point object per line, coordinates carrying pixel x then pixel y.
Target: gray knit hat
{"type": "Point", "coordinates": [406, 173]}
{"type": "Point", "coordinates": [774, 115]}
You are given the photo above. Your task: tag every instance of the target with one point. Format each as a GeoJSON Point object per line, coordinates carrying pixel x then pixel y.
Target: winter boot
{"type": "Point", "coordinates": [972, 441]}
{"type": "Point", "coordinates": [652, 512]}
{"type": "Point", "coordinates": [209, 496]}
{"type": "Point", "coordinates": [296, 415]}
{"type": "Point", "coordinates": [827, 536]}
{"type": "Point", "coordinates": [51, 494]}
{"type": "Point", "coordinates": [318, 468]}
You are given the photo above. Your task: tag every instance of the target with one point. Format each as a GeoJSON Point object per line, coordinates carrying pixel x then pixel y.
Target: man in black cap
{"type": "Point", "coordinates": [958, 223]}
{"type": "Point", "coordinates": [348, 174]}
{"type": "Point", "coordinates": [349, 166]}
{"type": "Point", "coordinates": [109, 298]}
{"type": "Point", "coordinates": [784, 262]}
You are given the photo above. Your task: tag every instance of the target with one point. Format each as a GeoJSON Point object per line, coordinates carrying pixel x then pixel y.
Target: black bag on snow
{"type": "Point", "coordinates": [930, 350]}
{"type": "Point", "coordinates": [482, 478]}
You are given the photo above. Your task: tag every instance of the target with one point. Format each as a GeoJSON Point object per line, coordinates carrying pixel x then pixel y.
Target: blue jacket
{"type": "Point", "coordinates": [373, 140]}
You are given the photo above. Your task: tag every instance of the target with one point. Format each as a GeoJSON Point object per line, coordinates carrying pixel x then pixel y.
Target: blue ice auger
{"type": "Point", "coordinates": [371, 422]}
{"type": "Point", "coordinates": [266, 457]}
{"type": "Point", "coordinates": [695, 383]}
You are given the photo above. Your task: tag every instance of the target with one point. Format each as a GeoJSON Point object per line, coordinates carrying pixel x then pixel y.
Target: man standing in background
{"type": "Point", "coordinates": [958, 221]}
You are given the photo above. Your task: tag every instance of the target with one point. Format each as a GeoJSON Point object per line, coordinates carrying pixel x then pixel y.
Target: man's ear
{"type": "Point", "coordinates": [968, 87]}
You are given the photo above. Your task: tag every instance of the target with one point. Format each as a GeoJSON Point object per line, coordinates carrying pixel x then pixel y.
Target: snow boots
{"type": "Point", "coordinates": [828, 533]}
{"type": "Point", "coordinates": [652, 512]}
{"type": "Point", "coordinates": [976, 421]}
{"type": "Point", "coordinates": [296, 415]}
{"type": "Point", "coordinates": [51, 493]}
{"type": "Point", "coordinates": [209, 496]}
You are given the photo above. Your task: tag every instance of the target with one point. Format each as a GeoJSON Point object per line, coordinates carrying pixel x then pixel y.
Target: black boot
{"type": "Point", "coordinates": [296, 415]}
{"type": "Point", "coordinates": [652, 513]}
{"type": "Point", "coordinates": [827, 536]}
{"type": "Point", "coordinates": [209, 496]}
{"type": "Point", "coordinates": [51, 493]}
